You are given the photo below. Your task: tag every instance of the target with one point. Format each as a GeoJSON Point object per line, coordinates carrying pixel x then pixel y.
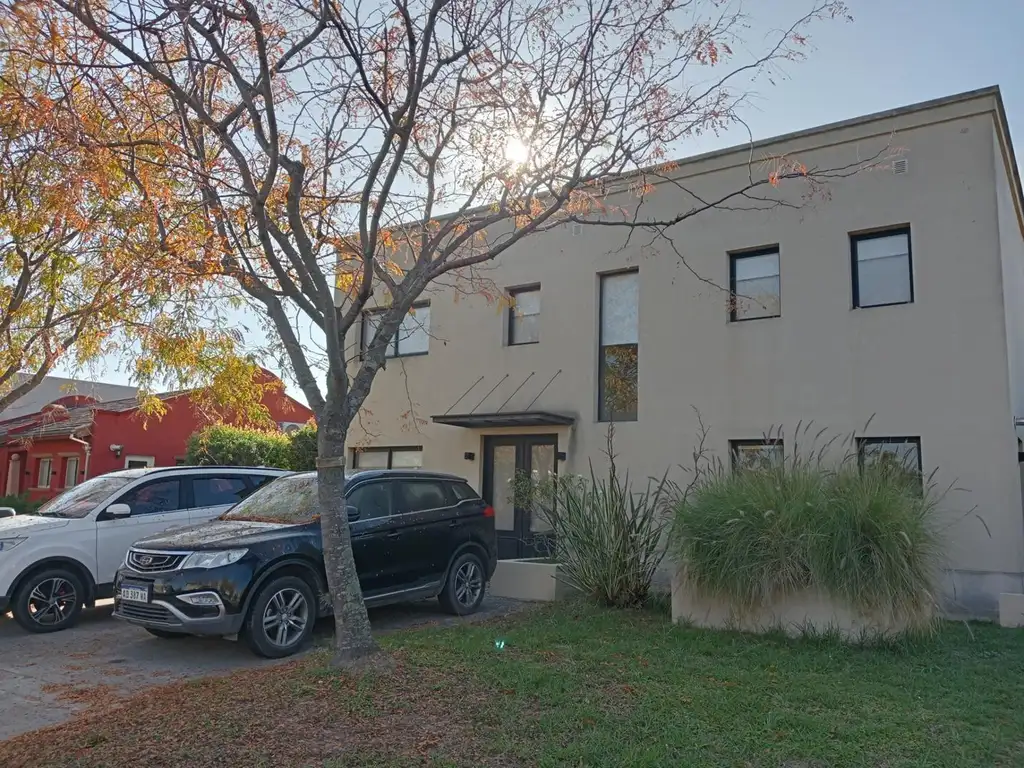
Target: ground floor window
{"type": "Point", "coordinates": [71, 472]}
{"type": "Point", "coordinates": [45, 467]}
{"type": "Point", "coordinates": [756, 454]}
{"type": "Point", "coordinates": [902, 453]}
{"type": "Point", "coordinates": [407, 457]}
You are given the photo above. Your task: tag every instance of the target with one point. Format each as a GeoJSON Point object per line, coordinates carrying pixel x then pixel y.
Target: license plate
{"type": "Point", "coordinates": [134, 594]}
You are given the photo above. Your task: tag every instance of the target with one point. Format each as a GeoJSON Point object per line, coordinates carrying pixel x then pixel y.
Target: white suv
{"type": "Point", "coordinates": [64, 556]}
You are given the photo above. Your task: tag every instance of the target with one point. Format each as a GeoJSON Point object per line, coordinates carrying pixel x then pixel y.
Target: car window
{"type": "Point", "coordinates": [291, 499]}
{"type": "Point", "coordinates": [373, 500]}
{"type": "Point", "coordinates": [463, 492]}
{"type": "Point", "coordinates": [79, 501]}
{"type": "Point", "coordinates": [258, 481]}
{"type": "Point", "coordinates": [154, 498]}
{"type": "Point", "coordinates": [218, 491]}
{"type": "Point", "coordinates": [417, 495]}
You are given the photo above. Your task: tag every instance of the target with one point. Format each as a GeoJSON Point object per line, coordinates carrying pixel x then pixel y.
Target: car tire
{"type": "Point", "coordinates": [281, 618]}
{"type": "Point", "coordinates": [49, 600]}
{"type": "Point", "coordinates": [464, 585]}
{"type": "Point", "coordinates": [163, 634]}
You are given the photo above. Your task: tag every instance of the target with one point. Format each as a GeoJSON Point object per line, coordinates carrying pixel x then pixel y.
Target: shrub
{"type": "Point", "coordinates": [304, 448]}
{"type": "Point", "coordinates": [234, 446]}
{"type": "Point", "coordinates": [606, 538]}
{"type": "Point", "coordinates": [865, 535]}
{"type": "Point", "coordinates": [21, 504]}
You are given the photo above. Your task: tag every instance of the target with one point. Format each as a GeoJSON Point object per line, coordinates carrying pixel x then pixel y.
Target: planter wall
{"type": "Point", "coordinates": [528, 579]}
{"type": "Point", "coordinates": [808, 611]}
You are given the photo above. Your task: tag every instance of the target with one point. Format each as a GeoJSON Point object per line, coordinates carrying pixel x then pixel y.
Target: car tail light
{"type": "Point", "coordinates": [488, 511]}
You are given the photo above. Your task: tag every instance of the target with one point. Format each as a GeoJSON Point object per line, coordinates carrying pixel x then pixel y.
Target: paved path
{"type": "Point", "coordinates": [44, 679]}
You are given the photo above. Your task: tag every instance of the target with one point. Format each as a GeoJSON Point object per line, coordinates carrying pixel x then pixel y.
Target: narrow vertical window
{"type": "Point", "coordinates": [619, 347]}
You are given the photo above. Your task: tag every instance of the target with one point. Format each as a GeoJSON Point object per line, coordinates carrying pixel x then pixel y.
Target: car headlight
{"type": "Point", "coordinates": [213, 558]}
{"type": "Point", "coordinates": [11, 543]}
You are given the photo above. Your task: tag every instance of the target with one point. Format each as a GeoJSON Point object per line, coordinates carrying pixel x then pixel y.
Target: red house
{"type": "Point", "coordinates": [77, 437]}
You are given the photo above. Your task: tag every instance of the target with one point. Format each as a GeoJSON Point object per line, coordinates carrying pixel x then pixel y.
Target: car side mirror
{"type": "Point", "coordinates": [353, 512]}
{"type": "Point", "coordinates": [7, 512]}
{"type": "Point", "coordinates": [119, 510]}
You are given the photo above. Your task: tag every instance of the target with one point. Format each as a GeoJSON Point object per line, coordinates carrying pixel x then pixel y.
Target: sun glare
{"type": "Point", "coordinates": [516, 151]}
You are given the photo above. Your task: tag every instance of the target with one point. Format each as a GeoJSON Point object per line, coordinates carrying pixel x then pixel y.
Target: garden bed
{"type": "Point", "coordinates": [534, 578]}
{"type": "Point", "coordinates": [809, 611]}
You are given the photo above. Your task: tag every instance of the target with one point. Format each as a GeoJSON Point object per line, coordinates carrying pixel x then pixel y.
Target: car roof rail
{"type": "Point", "coordinates": [231, 467]}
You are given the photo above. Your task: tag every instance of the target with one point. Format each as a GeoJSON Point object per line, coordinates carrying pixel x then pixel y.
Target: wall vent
{"type": "Point", "coordinates": [901, 166]}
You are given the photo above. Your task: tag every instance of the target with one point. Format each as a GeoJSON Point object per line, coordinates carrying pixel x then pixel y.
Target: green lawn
{"type": "Point", "coordinates": [579, 686]}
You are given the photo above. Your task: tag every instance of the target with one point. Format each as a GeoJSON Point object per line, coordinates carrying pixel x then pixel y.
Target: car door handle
{"type": "Point", "coordinates": [394, 535]}
{"type": "Point", "coordinates": [454, 523]}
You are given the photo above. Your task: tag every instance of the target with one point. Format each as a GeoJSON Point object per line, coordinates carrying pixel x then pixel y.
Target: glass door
{"type": "Point", "coordinates": [520, 532]}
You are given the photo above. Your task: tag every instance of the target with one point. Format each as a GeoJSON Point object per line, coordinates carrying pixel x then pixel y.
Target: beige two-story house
{"type": "Point", "coordinates": [887, 307]}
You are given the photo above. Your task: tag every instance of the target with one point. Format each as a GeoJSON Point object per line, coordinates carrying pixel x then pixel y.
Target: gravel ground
{"type": "Point", "coordinates": [44, 679]}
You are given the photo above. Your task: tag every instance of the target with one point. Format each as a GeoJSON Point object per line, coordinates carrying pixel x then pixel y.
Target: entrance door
{"type": "Point", "coordinates": [520, 532]}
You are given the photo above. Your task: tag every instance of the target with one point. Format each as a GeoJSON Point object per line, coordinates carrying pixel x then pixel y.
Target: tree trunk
{"type": "Point", "coordinates": [353, 640]}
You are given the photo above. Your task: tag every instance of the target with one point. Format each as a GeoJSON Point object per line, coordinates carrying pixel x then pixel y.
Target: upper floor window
{"type": "Point", "coordinates": [882, 271]}
{"type": "Point", "coordinates": [756, 454]}
{"type": "Point", "coordinates": [524, 316]}
{"type": "Point", "coordinates": [755, 288]}
{"type": "Point", "coordinates": [618, 356]}
{"type": "Point", "coordinates": [412, 337]}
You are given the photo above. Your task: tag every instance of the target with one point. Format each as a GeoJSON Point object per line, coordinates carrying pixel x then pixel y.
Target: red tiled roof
{"type": "Point", "coordinates": [49, 424]}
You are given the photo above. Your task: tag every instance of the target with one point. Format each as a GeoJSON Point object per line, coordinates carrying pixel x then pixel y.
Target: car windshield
{"type": "Point", "coordinates": [290, 500]}
{"type": "Point", "coordinates": [82, 499]}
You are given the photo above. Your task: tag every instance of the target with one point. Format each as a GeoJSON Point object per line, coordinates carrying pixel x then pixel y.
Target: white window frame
{"type": "Point", "coordinates": [48, 482]}
{"type": "Point", "coordinates": [73, 475]}
{"type": "Point", "coordinates": [150, 460]}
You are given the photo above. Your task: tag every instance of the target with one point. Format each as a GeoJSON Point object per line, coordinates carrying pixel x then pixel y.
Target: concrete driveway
{"type": "Point", "coordinates": [45, 679]}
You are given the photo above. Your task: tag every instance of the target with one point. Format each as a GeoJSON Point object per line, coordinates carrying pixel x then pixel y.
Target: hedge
{"type": "Point", "coordinates": [236, 446]}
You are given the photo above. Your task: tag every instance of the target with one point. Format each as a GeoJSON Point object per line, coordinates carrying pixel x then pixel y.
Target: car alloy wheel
{"type": "Point", "coordinates": [469, 583]}
{"type": "Point", "coordinates": [52, 601]}
{"type": "Point", "coordinates": [285, 617]}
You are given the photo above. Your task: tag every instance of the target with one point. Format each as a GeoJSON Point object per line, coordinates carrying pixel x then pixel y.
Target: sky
{"type": "Point", "coordinates": [894, 53]}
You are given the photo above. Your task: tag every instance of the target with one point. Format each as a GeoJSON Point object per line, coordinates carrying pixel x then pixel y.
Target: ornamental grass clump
{"type": "Point", "coordinates": [866, 534]}
{"type": "Point", "coordinates": [607, 537]}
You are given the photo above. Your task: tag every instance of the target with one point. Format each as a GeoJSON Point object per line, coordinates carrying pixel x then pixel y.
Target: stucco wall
{"type": "Point", "coordinates": [936, 368]}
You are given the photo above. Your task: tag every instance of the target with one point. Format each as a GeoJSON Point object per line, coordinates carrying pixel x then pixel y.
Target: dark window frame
{"type": "Point", "coordinates": [380, 449]}
{"type": "Point", "coordinates": [393, 344]}
{"type": "Point", "coordinates": [510, 327]}
{"type": "Point", "coordinates": [734, 257]}
{"type": "Point", "coordinates": [914, 440]}
{"type": "Point", "coordinates": [876, 234]}
{"type": "Point", "coordinates": [602, 417]}
{"type": "Point", "coordinates": [753, 443]}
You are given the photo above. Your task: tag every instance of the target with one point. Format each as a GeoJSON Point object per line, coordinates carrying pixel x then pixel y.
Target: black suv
{"type": "Point", "coordinates": [258, 570]}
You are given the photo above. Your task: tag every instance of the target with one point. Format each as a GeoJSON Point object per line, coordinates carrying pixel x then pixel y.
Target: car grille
{"type": "Point", "coordinates": [145, 612]}
{"type": "Point", "coordinates": [152, 562]}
